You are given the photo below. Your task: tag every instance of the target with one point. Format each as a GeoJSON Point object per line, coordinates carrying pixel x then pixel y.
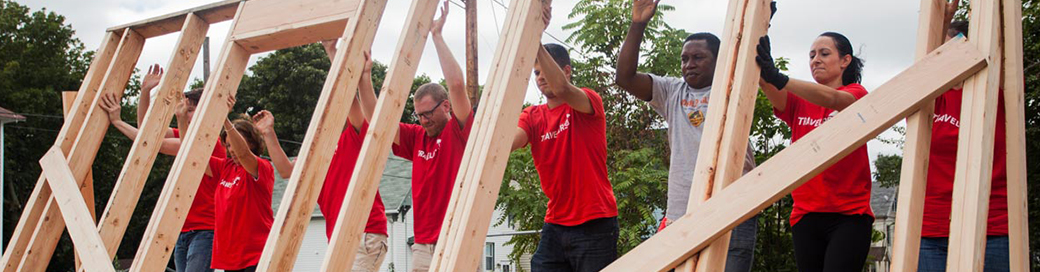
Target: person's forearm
{"type": "Point", "coordinates": [367, 96]}
{"type": "Point", "coordinates": [820, 95]}
{"type": "Point", "coordinates": [243, 155]}
{"type": "Point", "coordinates": [126, 129]}
{"type": "Point", "coordinates": [278, 157]}
{"type": "Point", "coordinates": [460, 104]}
{"type": "Point", "coordinates": [628, 58]}
{"type": "Point", "coordinates": [144, 100]}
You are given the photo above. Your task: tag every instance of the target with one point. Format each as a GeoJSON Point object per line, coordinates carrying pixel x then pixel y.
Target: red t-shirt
{"type": "Point", "coordinates": [942, 162]}
{"type": "Point", "coordinates": [842, 188]}
{"type": "Point", "coordinates": [200, 215]}
{"type": "Point", "coordinates": [570, 153]}
{"type": "Point", "coordinates": [243, 213]}
{"type": "Point", "coordinates": [338, 179]}
{"type": "Point", "coordinates": [435, 162]}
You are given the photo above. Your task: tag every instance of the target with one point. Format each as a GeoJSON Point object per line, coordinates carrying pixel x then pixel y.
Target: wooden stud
{"type": "Point", "coordinates": [191, 162]}
{"type": "Point", "coordinates": [775, 178]}
{"type": "Point", "coordinates": [67, 99]}
{"type": "Point", "coordinates": [381, 132]}
{"type": "Point", "coordinates": [972, 180]}
{"type": "Point", "coordinates": [31, 214]}
{"type": "Point", "coordinates": [327, 123]}
{"type": "Point", "coordinates": [74, 210]}
{"type": "Point", "coordinates": [1014, 103]}
{"type": "Point", "coordinates": [914, 172]}
{"type": "Point", "coordinates": [138, 165]}
{"type": "Point", "coordinates": [45, 238]}
{"type": "Point", "coordinates": [169, 23]}
{"type": "Point", "coordinates": [487, 152]}
{"type": "Point", "coordinates": [298, 23]}
{"type": "Point", "coordinates": [725, 143]}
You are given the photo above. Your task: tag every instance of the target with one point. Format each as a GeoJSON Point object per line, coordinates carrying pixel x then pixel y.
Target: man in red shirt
{"type": "Point", "coordinates": [569, 145]}
{"type": "Point", "coordinates": [435, 147]}
{"type": "Point", "coordinates": [193, 250]}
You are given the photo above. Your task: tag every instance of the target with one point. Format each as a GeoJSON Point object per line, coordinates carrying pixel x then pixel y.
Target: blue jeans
{"type": "Point", "coordinates": [588, 247]}
{"type": "Point", "coordinates": [933, 254]}
{"type": "Point", "coordinates": [193, 251]}
{"type": "Point", "coordinates": [741, 255]}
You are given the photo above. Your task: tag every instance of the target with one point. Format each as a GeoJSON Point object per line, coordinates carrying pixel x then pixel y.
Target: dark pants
{"type": "Point", "coordinates": [247, 269]}
{"type": "Point", "coordinates": [933, 254]}
{"type": "Point", "coordinates": [741, 254]}
{"type": "Point", "coordinates": [193, 251]}
{"type": "Point", "coordinates": [588, 247]}
{"type": "Point", "coordinates": [831, 242]}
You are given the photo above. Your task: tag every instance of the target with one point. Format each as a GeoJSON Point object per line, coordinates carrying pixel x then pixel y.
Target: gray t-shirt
{"type": "Point", "coordinates": [684, 109]}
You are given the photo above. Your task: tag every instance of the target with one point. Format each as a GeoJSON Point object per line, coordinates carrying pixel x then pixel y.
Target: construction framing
{"type": "Point", "coordinates": [695, 242]}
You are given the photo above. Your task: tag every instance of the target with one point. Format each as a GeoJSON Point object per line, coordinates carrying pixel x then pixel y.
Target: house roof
{"type": "Point", "coordinates": [882, 200]}
{"type": "Point", "coordinates": [7, 116]}
{"type": "Point", "coordinates": [394, 187]}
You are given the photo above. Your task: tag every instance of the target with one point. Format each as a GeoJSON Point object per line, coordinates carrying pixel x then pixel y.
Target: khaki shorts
{"type": "Point", "coordinates": [370, 253]}
{"type": "Point", "coordinates": [422, 254]}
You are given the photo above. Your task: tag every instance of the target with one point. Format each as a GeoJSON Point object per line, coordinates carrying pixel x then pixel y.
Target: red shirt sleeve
{"type": "Point", "coordinates": [787, 115]}
{"type": "Point", "coordinates": [408, 134]}
{"type": "Point", "coordinates": [597, 104]}
{"type": "Point", "coordinates": [855, 89]}
{"type": "Point", "coordinates": [526, 123]}
{"type": "Point", "coordinates": [216, 166]}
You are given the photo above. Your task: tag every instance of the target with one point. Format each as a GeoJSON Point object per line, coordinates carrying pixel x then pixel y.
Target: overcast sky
{"type": "Point", "coordinates": [882, 31]}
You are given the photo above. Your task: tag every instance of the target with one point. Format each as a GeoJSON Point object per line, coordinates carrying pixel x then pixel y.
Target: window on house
{"type": "Point", "coordinates": [489, 256]}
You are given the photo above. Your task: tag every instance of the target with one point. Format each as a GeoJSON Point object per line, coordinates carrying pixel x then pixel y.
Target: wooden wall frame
{"type": "Point", "coordinates": [995, 43]}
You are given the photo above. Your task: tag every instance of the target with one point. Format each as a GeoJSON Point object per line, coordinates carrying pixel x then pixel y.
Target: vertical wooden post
{"type": "Point", "coordinates": [472, 86]}
{"type": "Point", "coordinates": [128, 187]}
{"type": "Point", "coordinates": [1014, 103]}
{"type": "Point", "coordinates": [327, 123]}
{"type": "Point", "coordinates": [85, 147]}
{"type": "Point", "coordinates": [971, 185]}
{"type": "Point", "coordinates": [725, 143]}
{"type": "Point", "coordinates": [487, 151]}
{"type": "Point", "coordinates": [368, 170]}
{"type": "Point", "coordinates": [914, 172]}
{"type": "Point", "coordinates": [33, 211]}
{"type": "Point", "coordinates": [67, 99]}
{"type": "Point", "coordinates": [192, 159]}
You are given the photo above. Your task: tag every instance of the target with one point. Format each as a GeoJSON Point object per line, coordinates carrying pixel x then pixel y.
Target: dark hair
{"type": "Point", "coordinates": [853, 73]}
{"type": "Point", "coordinates": [559, 54]}
{"type": "Point", "coordinates": [711, 39]}
{"type": "Point", "coordinates": [194, 95]}
{"type": "Point", "coordinates": [249, 132]}
{"type": "Point", "coordinates": [960, 26]}
{"type": "Point", "coordinates": [433, 90]}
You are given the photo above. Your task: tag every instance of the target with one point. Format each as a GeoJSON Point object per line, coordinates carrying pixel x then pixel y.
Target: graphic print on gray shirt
{"type": "Point", "coordinates": [684, 109]}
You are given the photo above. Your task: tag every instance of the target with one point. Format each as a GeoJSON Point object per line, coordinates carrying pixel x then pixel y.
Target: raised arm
{"type": "Point", "coordinates": [238, 146]}
{"type": "Point", "coordinates": [365, 104]}
{"type": "Point", "coordinates": [460, 105]}
{"type": "Point", "coordinates": [638, 84]}
{"type": "Point", "coordinates": [560, 85]}
{"type": "Point", "coordinates": [812, 92]}
{"type": "Point", "coordinates": [144, 99]}
{"type": "Point", "coordinates": [264, 122]}
{"type": "Point", "coordinates": [519, 139]}
{"type": "Point", "coordinates": [110, 103]}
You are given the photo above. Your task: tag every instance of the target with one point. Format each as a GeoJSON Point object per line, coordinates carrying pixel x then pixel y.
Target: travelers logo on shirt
{"type": "Point", "coordinates": [814, 122]}
{"type": "Point", "coordinates": [430, 155]}
{"type": "Point", "coordinates": [696, 118]}
{"type": "Point", "coordinates": [227, 184]}
{"type": "Point", "coordinates": [553, 134]}
{"type": "Point", "coordinates": [947, 119]}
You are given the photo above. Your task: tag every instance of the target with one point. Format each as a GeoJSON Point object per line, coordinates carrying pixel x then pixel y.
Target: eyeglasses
{"type": "Point", "coordinates": [427, 114]}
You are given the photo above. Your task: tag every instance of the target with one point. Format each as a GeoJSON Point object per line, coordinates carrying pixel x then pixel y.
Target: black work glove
{"type": "Point", "coordinates": [769, 72]}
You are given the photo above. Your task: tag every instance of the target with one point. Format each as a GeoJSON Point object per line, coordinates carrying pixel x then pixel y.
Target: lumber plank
{"type": "Point", "coordinates": [1014, 103]}
{"type": "Point", "coordinates": [319, 145]}
{"type": "Point", "coordinates": [44, 240]}
{"type": "Point", "coordinates": [191, 162]}
{"type": "Point", "coordinates": [74, 210]}
{"type": "Point", "coordinates": [914, 170]}
{"type": "Point", "coordinates": [31, 213]}
{"type": "Point", "coordinates": [138, 165]}
{"type": "Point", "coordinates": [740, 110]}
{"type": "Point", "coordinates": [275, 24]}
{"type": "Point", "coordinates": [488, 148]}
{"type": "Point", "coordinates": [169, 23]}
{"type": "Point", "coordinates": [972, 180]}
{"type": "Point", "coordinates": [382, 130]}
{"type": "Point", "coordinates": [834, 139]}
{"type": "Point", "coordinates": [67, 99]}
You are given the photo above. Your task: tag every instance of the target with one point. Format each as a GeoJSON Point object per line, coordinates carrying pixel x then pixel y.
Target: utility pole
{"type": "Point", "coordinates": [471, 52]}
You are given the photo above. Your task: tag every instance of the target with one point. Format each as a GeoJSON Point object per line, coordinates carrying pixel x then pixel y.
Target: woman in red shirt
{"type": "Point", "coordinates": [243, 214]}
{"type": "Point", "coordinates": [831, 219]}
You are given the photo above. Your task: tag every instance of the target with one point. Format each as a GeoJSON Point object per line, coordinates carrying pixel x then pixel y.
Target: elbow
{"type": "Point", "coordinates": [284, 175]}
{"type": "Point", "coordinates": [622, 81]}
